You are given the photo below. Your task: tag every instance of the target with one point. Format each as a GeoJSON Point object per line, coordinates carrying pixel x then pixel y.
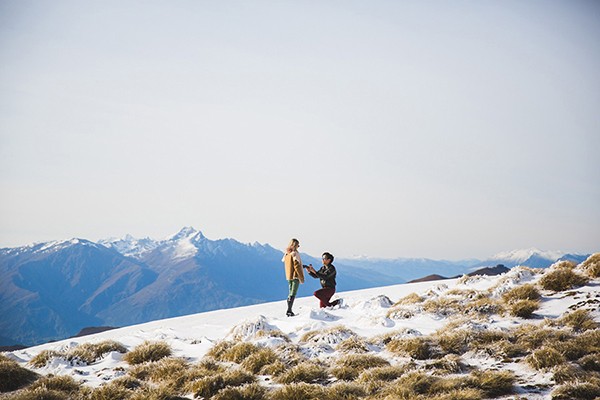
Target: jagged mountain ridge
{"type": "Point", "coordinates": [52, 290]}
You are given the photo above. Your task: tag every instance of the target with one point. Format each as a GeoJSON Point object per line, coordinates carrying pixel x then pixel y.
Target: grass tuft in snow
{"type": "Point", "coordinates": [523, 308]}
{"type": "Point", "coordinates": [44, 357]}
{"type": "Point", "coordinates": [579, 390]}
{"type": "Point", "coordinates": [350, 366]}
{"type": "Point", "coordinates": [261, 358]}
{"type": "Point", "coordinates": [591, 266]}
{"type": "Point", "coordinates": [419, 348]}
{"type": "Point", "coordinates": [148, 351]}
{"type": "Point", "coordinates": [523, 292]}
{"type": "Point", "coordinates": [13, 376]}
{"type": "Point", "coordinates": [88, 353]}
{"type": "Point", "coordinates": [561, 277]}
{"type": "Point", "coordinates": [580, 320]}
{"type": "Point", "coordinates": [252, 391]}
{"type": "Point", "coordinates": [544, 358]}
{"type": "Point", "coordinates": [210, 385]}
{"type": "Point", "coordinates": [298, 391]}
{"type": "Point", "coordinates": [307, 372]}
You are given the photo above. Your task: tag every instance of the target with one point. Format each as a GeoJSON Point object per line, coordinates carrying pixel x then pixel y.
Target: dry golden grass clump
{"type": "Point", "coordinates": [411, 298]}
{"type": "Point", "coordinates": [544, 358]}
{"type": "Point", "coordinates": [272, 333]}
{"type": "Point", "coordinates": [345, 391]}
{"type": "Point", "coordinates": [164, 370]}
{"type": "Point", "coordinates": [449, 364]}
{"type": "Point", "coordinates": [307, 372]}
{"type": "Point", "coordinates": [350, 366]}
{"type": "Point", "coordinates": [419, 348]}
{"type": "Point", "coordinates": [298, 391]}
{"type": "Point", "coordinates": [256, 361]}
{"type": "Point", "coordinates": [62, 383]}
{"type": "Point", "coordinates": [444, 306]}
{"type": "Point", "coordinates": [561, 277]}
{"type": "Point", "coordinates": [523, 308]}
{"type": "Point", "coordinates": [591, 266]}
{"type": "Point", "coordinates": [353, 344]}
{"type": "Point", "coordinates": [522, 292]}
{"type": "Point", "coordinates": [454, 341]}
{"type": "Point", "coordinates": [331, 336]}
{"type": "Point", "coordinates": [578, 390]}
{"type": "Point", "coordinates": [148, 351]}
{"type": "Point", "coordinates": [579, 320]}
{"type": "Point", "coordinates": [251, 391]}
{"type": "Point", "coordinates": [210, 385]}
{"type": "Point", "coordinates": [13, 376]}
{"type": "Point", "coordinates": [43, 358]}
{"type": "Point", "coordinates": [89, 353]}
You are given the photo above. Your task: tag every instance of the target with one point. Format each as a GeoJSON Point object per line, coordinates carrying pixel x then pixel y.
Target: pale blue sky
{"type": "Point", "coordinates": [384, 128]}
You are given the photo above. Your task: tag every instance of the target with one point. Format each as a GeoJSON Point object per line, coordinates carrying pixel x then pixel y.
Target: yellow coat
{"type": "Point", "coordinates": [293, 266]}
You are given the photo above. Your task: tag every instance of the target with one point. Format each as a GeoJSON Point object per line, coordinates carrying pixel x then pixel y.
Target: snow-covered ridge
{"type": "Point", "coordinates": [524, 254]}
{"type": "Point", "coordinates": [366, 315]}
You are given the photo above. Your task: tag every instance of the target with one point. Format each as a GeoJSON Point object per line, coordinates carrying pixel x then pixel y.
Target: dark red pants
{"type": "Point", "coordinates": [324, 295]}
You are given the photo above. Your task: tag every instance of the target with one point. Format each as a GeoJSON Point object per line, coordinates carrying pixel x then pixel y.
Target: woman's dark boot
{"type": "Point", "coordinates": [290, 303]}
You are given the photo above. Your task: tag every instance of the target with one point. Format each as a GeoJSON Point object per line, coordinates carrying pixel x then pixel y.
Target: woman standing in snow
{"type": "Point", "coordinates": [293, 272]}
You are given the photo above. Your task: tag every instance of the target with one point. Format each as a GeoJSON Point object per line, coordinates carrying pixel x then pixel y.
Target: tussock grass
{"type": "Point", "coordinates": [419, 348]}
{"type": "Point", "coordinates": [579, 320]}
{"type": "Point", "coordinates": [110, 392]}
{"type": "Point", "coordinates": [457, 394]}
{"type": "Point", "coordinates": [523, 308]}
{"type": "Point", "coordinates": [566, 373]}
{"type": "Point", "coordinates": [493, 383]}
{"type": "Point", "coordinates": [449, 364]}
{"type": "Point", "coordinates": [578, 391]}
{"type": "Point", "coordinates": [256, 361]}
{"type": "Point", "coordinates": [531, 337]}
{"type": "Point", "coordinates": [386, 374]}
{"type": "Point", "coordinates": [41, 394]}
{"type": "Point", "coordinates": [298, 391]}
{"type": "Point", "coordinates": [353, 344]}
{"type": "Point", "coordinates": [63, 383]}
{"type": "Point", "coordinates": [352, 365]}
{"type": "Point", "coordinates": [88, 353]}
{"type": "Point", "coordinates": [252, 391]}
{"type": "Point", "coordinates": [344, 391]}
{"type": "Point", "coordinates": [304, 372]}
{"type": "Point", "coordinates": [483, 306]}
{"type": "Point", "coordinates": [590, 362]}
{"type": "Point", "coordinates": [454, 341]}
{"type": "Point", "coordinates": [148, 351]}
{"type": "Point", "coordinates": [591, 266]}
{"type": "Point", "coordinates": [545, 358]}
{"type": "Point", "coordinates": [42, 359]}
{"type": "Point", "coordinates": [443, 306]}
{"type": "Point", "coordinates": [273, 333]}
{"type": "Point", "coordinates": [331, 336]}
{"type": "Point", "coordinates": [210, 385]}
{"type": "Point", "coordinates": [562, 277]}
{"type": "Point", "coordinates": [239, 351]}
{"type": "Point", "coordinates": [13, 376]}
{"type": "Point", "coordinates": [411, 298]}
{"type": "Point", "coordinates": [526, 291]}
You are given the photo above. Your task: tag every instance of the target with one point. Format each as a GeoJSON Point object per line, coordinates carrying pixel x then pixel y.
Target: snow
{"type": "Point", "coordinates": [364, 313]}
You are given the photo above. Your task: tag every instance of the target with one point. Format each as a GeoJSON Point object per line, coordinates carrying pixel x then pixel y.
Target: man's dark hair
{"type": "Point", "coordinates": [328, 256]}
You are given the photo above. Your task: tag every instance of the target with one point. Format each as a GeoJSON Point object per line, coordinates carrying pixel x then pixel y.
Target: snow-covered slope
{"type": "Point", "coordinates": [366, 314]}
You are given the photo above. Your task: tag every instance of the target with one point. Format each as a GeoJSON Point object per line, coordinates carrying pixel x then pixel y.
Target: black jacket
{"type": "Point", "coordinates": [327, 276]}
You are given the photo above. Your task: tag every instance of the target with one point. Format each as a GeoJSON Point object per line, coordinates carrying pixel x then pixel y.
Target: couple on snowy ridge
{"type": "Point", "coordinates": [295, 276]}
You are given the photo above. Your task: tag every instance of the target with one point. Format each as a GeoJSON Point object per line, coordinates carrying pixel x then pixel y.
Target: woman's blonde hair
{"type": "Point", "coordinates": [294, 243]}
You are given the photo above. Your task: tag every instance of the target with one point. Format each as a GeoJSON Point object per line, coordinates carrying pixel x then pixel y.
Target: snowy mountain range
{"type": "Point", "coordinates": [451, 339]}
{"type": "Point", "coordinates": [52, 290]}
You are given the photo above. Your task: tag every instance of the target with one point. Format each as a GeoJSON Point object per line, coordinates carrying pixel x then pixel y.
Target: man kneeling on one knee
{"type": "Point", "coordinates": [327, 275]}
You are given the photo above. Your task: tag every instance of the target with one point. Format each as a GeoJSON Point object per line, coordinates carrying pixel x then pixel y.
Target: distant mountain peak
{"type": "Point", "coordinates": [187, 232]}
{"type": "Point", "coordinates": [522, 255]}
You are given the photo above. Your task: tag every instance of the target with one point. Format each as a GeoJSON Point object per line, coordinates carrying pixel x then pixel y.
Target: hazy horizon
{"type": "Point", "coordinates": [433, 129]}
